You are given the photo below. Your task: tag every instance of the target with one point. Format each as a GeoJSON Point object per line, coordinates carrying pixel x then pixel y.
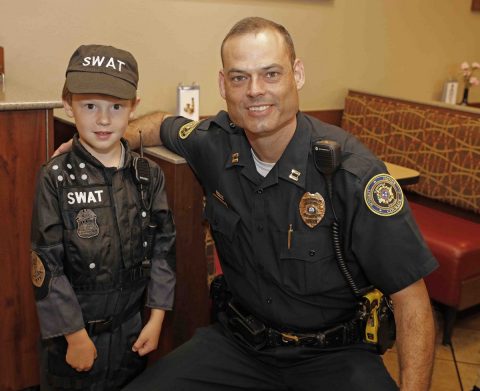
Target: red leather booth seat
{"type": "Point", "coordinates": [455, 242]}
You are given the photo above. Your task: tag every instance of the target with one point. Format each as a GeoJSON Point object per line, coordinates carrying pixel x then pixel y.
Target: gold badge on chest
{"type": "Point", "coordinates": [312, 208]}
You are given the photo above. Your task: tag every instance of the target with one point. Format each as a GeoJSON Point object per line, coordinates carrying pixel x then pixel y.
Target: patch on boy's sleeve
{"type": "Point", "coordinates": [40, 275]}
{"type": "Point", "coordinates": [383, 195]}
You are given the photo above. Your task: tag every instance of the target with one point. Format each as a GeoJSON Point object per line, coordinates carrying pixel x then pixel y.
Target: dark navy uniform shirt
{"type": "Point", "coordinates": [297, 286]}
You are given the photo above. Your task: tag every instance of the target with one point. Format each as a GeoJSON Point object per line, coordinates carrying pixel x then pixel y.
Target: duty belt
{"type": "Point", "coordinates": [258, 335]}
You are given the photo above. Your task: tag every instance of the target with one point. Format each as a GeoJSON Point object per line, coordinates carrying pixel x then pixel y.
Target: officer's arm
{"type": "Point", "coordinates": [415, 336]}
{"type": "Point", "coordinates": [149, 125]}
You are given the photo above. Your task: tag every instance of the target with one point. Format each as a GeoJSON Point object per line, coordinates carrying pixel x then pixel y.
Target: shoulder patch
{"type": "Point", "coordinates": [38, 271]}
{"type": "Point", "coordinates": [187, 129]}
{"type": "Point", "coordinates": [40, 275]}
{"type": "Point", "coordinates": [383, 195]}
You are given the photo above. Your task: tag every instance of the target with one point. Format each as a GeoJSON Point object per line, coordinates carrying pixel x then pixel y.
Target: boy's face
{"type": "Point", "coordinates": [101, 120]}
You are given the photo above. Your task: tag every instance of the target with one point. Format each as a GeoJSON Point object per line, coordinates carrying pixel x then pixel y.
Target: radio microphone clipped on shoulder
{"type": "Point", "coordinates": [327, 156]}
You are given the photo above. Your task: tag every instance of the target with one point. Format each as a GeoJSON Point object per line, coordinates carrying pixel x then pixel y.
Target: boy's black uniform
{"type": "Point", "coordinates": [92, 262]}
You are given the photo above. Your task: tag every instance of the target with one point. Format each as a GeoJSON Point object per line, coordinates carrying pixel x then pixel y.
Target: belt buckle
{"type": "Point", "coordinates": [290, 338]}
{"type": "Point", "coordinates": [95, 327]}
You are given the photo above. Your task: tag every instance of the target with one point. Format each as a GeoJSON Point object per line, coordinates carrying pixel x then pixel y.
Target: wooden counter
{"type": "Point", "coordinates": [193, 251]}
{"type": "Point", "coordinates": [26, 129]}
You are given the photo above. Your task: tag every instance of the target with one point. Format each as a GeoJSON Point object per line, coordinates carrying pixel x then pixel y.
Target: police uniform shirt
{"type": "Point", "coordinates": [291, 280]}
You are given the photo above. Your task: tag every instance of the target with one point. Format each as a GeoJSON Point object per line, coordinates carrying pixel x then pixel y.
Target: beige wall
{"type": "Point", "coordinates": [405, 48]}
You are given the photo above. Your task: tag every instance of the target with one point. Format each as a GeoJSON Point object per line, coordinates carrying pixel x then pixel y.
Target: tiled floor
{"type": "Point", "coordinates": [466, 344]}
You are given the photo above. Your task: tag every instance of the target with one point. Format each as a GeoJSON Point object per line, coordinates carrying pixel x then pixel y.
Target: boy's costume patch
{"type": "Point", "coordinates": [87, 224]}
{"type": "Point", "coordinates": [40, 275]}
{"type": "Point", "coordinates": [37, 271]}
{"type": "Point", "coordinates": [383, 195]}
{"type": "Point", "coordinates": [85, 197]}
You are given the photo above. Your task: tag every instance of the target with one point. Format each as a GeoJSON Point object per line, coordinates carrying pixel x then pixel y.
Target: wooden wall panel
{"type": "Point", "coordinates": [23, 149]}
{"type": "Point", "coordinates": [192, 306]}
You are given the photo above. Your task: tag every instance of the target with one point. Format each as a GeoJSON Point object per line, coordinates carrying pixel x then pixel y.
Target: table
{"type": "Point", "coordinates": [403, 175]}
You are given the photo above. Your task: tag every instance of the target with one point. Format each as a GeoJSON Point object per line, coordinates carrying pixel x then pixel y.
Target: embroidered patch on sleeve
{"type": "Point", "coordinates": [383, 195]}
{"type": "Point", "coordinates": [37, 271]}
{"type": "Point", "coordinates": [187, 129]}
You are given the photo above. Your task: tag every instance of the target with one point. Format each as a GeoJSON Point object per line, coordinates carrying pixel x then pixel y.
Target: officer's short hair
{"type": "Point", "coordinates": [255, 24]}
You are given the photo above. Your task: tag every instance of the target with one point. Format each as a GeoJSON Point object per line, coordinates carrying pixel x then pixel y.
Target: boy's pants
{"type": "Point", "coordinates": [114, 366]}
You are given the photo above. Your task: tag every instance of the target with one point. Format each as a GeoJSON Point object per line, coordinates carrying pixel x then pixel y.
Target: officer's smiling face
{"type": "Point", "coordinates": [259, 83]}
{"type": "Point", "coordinates": [101, 120]}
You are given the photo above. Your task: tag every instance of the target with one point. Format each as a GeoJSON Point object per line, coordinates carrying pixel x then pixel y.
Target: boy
{"type": "Point", "coordinates": [101, 233]}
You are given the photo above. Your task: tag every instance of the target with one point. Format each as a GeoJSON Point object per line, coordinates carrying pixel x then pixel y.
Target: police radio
{"type": "Point", "coordinates": [141, 168]}
{"type": "Point", "coordinates": [141, 174]}
{"type": "Point", "coordinates": [327, 156]}
{"type": "Point", "coordinates": [375, 310]}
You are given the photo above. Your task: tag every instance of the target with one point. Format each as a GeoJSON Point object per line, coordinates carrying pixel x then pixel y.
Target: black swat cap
{"type": "Point", "coordinates": [99, 69]}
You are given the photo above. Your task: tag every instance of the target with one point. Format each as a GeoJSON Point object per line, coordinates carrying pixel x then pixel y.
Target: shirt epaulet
{"type": "Point", "coordinates": [358, 165]}
{"type": "Point", "coordinates": [204, 124]}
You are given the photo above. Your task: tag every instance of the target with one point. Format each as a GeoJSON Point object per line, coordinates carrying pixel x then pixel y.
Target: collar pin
{"type": "Point", "coordinates": [294, 175]}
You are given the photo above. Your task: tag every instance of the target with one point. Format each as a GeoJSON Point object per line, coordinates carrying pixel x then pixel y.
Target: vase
{"type": "Point", "coordinates": [465, 96]}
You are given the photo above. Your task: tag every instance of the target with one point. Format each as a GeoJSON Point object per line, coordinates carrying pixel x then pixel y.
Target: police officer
{"type": "Point", "coordinates": [292, 322]}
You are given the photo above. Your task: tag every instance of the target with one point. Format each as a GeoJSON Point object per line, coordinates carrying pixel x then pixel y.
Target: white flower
{"type": "Point", "coordinates": [467, 72]}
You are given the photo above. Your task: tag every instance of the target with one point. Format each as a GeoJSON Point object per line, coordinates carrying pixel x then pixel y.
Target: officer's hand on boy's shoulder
{"type": "Point", "coordinates": [63, 148]}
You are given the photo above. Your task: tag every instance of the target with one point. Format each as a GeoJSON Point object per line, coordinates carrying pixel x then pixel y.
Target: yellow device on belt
{"type": "Point", "coordinates": [372, 303]}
